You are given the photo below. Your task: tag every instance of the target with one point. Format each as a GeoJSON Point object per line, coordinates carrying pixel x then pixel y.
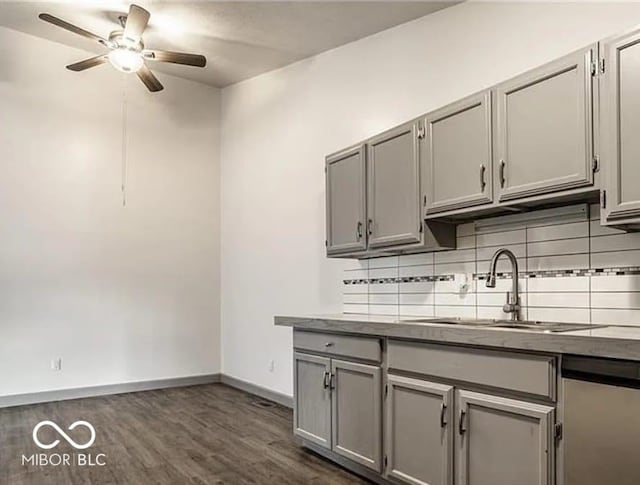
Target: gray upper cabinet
{"type": "Point", "coordinates": [621, 130]}
{"type": "Point", "coordinates": [357, 412]}
{"type": "Point", "coordinates": [393, 170]}
{"type": "Point", "coordinates": [458, 155]}
{"type": "Point", "coordinates": [532, 140]}
{"type": "Point", "coordinates": [503, 441]}
{"type": "Point", "coordinates": [346, 201]}
{"type": "Point", "coordinates": [419, 431]}
{"type": "Point", "coordinates": [544, 128]}
{"type": "Point", "coordinates": [312, 407]}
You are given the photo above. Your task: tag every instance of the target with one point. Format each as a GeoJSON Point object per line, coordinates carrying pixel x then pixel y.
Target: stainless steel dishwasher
{"type": "Point", "coordinates": [601, 421]}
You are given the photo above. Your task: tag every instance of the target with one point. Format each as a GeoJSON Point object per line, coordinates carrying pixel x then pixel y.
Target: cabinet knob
{"type": "Point", "coordinates": [328, 344]}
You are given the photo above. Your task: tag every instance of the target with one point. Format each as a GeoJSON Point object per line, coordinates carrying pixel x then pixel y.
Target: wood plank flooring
{"type": "Point", "coordinates": [210, 434]}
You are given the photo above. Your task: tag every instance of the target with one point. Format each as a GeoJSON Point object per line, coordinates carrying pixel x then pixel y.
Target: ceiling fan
{"type": "Point", "coordinates": [127, 52]}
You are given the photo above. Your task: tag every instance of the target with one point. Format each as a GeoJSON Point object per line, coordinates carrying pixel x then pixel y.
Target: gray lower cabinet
{"type": "Point", "coordinates": [357, 412]}
{"type": "Point", "coordinates": [435, 433]}
{"type": "Point", "coordinates": [620, 129]}
{"type": "Point", "coordinates": [544, 128]}
{"type": "Point", "coordinates": [393, 171]}
{"type": "Point", "coordinates": [312, 398]}
{"type": "Point", "coordinates": [503, 441]}
{"type": "Point", "coordinates": [346, 201]}
{"type": "Point", "coordinates": [457, 161]}
{"type": "Point", "coordinates": [338, 403]}
{"type": "Point", "coordinates": [419, 431]}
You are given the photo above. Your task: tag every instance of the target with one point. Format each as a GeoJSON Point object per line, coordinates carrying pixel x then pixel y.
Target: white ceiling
{"type": "Point", "coordinates": [239, 39]}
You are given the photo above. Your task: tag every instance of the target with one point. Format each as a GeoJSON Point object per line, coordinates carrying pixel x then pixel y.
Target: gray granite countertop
{"type": "Point", "coordinates": [616, 342]}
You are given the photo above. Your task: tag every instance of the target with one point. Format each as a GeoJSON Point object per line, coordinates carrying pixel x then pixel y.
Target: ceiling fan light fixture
{"type": "Point", "coordinates": [126, 48]}
{"type": "Point", "coordinates": [126, 60]}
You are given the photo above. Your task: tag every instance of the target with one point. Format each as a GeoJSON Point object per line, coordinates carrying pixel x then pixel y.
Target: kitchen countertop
{"type": "Point", "coordinates": [618, 342]}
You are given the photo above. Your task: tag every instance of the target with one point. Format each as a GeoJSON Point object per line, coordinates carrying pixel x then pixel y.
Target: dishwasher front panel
{"type": "Point", "coordinates": [601, 433]}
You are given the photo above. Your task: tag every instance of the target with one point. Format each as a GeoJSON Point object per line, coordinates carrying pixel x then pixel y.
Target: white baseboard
{"type": "Point", "coordinates": [94, 391]}
{"type": "Point", "coordinates": [263, 392]}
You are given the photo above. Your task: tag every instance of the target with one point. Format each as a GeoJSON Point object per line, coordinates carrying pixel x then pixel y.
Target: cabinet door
{"type": "Point", "coordinates": [419, 445]}
{"type": "Point", "coordinates": [346, 201]}
{"type": "Point", "coordinates": [312, 398]}
{"type": "Point", "coordinates": [545, 128]}
{"type": "Point", "coordinates": [394, 188]}
{"type": "Point", "coordinates": [621, 129]}
{"type": "Point", "coordinates": [458, 155]}
{"type": "Point", "coordinates": [503, 442]}
{"type": "Point", "coordinates": [356, 417]}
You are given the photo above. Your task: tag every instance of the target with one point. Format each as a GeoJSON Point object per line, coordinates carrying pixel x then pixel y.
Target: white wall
{"type": "Point", "coordinates": [277, 128]}
{"type": "Point", "coordinates": [121, 294]}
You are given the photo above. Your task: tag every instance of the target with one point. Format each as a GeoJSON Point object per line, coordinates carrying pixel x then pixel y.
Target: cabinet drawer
{"type": "Point", "coordinates": [525, 373]}
{"type": "Point", "coordinates": [365, 348]}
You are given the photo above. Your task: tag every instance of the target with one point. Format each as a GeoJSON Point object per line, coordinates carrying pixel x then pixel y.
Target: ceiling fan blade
{"type": "Point", "coordinates": [71, 28]}
{"type": "Point", "coordinates": [137, 21]}
{"type": "Point", "coordinates": [176, 58]}
{"type": "Point", "coordinates": [149, 80]}
{"type": "Point", "coordinates": [87, 63]}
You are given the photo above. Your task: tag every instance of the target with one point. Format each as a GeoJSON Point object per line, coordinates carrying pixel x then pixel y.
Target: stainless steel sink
{"type": "Point", "coordinates": [453, 321]}
{"type": "Point", "coordinates": [532, 325]}
{"type": "Point", "coordinates": [552, 327]}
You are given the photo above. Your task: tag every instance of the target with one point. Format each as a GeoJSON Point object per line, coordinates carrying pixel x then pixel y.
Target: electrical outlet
{"type": "Point", "coordinates": [272, 365]}
{"type": "Point", "coordinates": [56, 364]}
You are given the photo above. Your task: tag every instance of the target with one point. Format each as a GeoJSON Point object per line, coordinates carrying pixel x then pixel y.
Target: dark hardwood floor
{"type": "Point", "coordinates": [208, 434]}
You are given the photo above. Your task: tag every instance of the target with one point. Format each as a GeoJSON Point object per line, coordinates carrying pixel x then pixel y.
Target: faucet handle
{"type": "Point", "coordinates": [508, 307]}
{"type": "Point", "coordinates": [512, 305]}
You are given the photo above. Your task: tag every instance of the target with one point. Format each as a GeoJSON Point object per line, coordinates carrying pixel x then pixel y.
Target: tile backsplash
{"type": "Point", "coordinates": [571, 270]}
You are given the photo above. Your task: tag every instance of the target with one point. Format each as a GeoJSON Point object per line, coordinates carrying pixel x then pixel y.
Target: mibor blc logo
{"type": "Point", "coordinates": [64, 459]}
{"type": "Point", "coordinates": [41, 424]}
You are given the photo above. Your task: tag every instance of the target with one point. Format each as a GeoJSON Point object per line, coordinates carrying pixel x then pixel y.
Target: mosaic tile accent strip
{"type": "Point", "coordinates": [402, 279]}
{"type": "Point", "coordinates": [631, 270]}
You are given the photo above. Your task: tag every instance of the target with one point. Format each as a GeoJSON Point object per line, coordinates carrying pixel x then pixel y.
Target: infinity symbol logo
{"type": "Point", "coordinates": [41, 424]}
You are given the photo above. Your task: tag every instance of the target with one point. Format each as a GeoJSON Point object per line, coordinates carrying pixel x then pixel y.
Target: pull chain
{"type": "Point", "coordinates": [124, 141]}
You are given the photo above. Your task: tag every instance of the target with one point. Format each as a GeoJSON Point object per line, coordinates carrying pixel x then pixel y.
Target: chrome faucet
{"type": "Point", "coordinates": [512, 305]}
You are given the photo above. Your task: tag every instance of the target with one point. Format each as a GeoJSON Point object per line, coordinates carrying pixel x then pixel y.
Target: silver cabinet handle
{"type": "Point", "coordinates": [359, 230]}
{"type": "Point", "coordinates": [443, 411]}
{"type": "Point", "coordinates": [325, 379]}
{"type": "Point", "coordinates": [332, 381]}
{"type": "Point", "coordinates": [461, 428]}
{"type": "Point", "coordinates": [370, 227]}
{"type": "Point", "coordinates": [483, 184]}
{"type": "Point", "coordinates": [502, 177]}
